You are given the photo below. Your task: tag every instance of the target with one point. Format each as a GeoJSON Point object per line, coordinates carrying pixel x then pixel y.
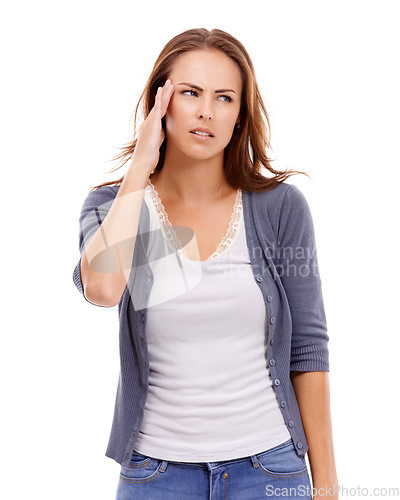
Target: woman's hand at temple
{"type": "Point", "coordinates": [151, 133]}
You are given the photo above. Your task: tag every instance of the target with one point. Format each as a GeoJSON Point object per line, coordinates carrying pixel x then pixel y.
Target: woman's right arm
{"type": "Point", "coordinates": [103, 280]}
{"type": "Point", "coordinates": [101, 286]}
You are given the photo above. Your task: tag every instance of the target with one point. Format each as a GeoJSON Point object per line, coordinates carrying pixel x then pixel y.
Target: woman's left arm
{"type": "Point", "coordinates": [313, 395]}
{"type": "Point", "coordinates": [309, 357]}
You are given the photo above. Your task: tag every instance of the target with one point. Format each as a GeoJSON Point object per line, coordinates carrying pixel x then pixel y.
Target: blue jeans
{"type": "Point", "coordinates": [276, 473]}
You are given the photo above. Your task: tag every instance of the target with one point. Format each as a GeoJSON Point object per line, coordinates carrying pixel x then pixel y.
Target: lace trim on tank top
{"type": "Point", "coordinates": [173, 240]}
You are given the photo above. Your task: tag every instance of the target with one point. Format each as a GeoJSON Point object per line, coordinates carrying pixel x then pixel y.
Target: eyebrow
{"type": "Point", "coordinates": [201, 90]}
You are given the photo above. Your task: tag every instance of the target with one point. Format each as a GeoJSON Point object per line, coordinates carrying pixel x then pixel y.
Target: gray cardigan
{"type": "Point", "coordinates": [281, 242]}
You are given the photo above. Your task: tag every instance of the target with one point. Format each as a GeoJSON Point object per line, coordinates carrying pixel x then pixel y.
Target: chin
{"type": "Point", "coordinates": [201, 155]}
{"type": "Point", "coordinates": [193, 150]}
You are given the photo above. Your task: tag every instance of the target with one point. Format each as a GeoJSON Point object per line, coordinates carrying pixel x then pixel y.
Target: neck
{"type": "Point", "coordinates": [192, 182]}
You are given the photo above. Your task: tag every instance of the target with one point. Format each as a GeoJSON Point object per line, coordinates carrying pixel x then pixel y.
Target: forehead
{"type": "Point", "coordinates": [207, 68]}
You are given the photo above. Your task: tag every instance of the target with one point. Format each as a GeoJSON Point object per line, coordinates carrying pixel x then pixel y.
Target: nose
{"type": "Point", "coordinates": [204, 114]}
{"type": "Point", "coordinates": [204, 110]}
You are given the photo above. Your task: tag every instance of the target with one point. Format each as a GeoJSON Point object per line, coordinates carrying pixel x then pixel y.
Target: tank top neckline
{"type": "Point", "coordinates": [172, 239]}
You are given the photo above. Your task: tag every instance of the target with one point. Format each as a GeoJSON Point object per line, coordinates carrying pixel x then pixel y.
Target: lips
{"type": "Point", "coordinates": [202, 129]}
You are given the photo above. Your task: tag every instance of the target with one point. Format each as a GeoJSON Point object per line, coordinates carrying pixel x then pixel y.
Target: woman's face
{"type": "Point", "coordinates": [207, 94]}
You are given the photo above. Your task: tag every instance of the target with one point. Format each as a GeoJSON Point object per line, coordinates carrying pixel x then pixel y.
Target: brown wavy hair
{"type": "Point", "coordinates": [246, 153]}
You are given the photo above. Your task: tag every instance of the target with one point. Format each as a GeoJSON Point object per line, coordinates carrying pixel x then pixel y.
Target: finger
{"type": "Point", "coordinates": [166, 97]}
{"type": "Point", "coordinates": [158, 96]}
{"type": "Point", "coordinates": [157, 101]}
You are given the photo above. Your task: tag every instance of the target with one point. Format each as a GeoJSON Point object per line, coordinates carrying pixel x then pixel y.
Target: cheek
{"type": "Point", "coordinates": [230, 121]}
{"type": "Point", "coordinates": [233, 115]}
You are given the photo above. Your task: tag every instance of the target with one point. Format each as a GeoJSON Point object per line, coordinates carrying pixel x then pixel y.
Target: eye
{"type": "Point", "coordinates": [228, 99]}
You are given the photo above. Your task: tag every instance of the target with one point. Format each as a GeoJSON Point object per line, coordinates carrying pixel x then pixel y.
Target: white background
{"type": "Point", "coordinates": [72, 75]}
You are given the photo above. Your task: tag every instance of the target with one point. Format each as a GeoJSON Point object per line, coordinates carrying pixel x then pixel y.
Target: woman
{"type": "Point", "coordinates": [224, 360]}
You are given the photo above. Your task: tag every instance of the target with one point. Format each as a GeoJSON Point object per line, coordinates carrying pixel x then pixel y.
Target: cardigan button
{"type": "Point", "coordinates": [283, 404]}
{"type": "Point", "coordinates": [271, 362]}
{"type": "Point", "coordinates": [259, 279]}
{"type": "Point", "coordinates": [277, 382]}
{"type": "Point", "coordinates": [269, 298]}
{"type": "Point", "coordinates": [290, 423]}
{"type": "Point", "coordinates": [272, 320]}
{"type": "Point", "coordinates": [272, 341]}
{"type": "Point", "coordinates": [299, 445]}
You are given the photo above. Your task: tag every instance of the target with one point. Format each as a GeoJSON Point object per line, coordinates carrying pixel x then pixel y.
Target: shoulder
{"type": "Point", "coordinates": [293, 200]}
{"type": "Point", "coordinates": [100, 196]}
{"type": "Point", "coordinates": [283, 208]}
{"type": "Point", "coordinates": [284, 196]}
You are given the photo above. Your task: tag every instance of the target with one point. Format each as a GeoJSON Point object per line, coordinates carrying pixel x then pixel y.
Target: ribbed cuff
{"type": "Point", "coordinates": [310, 357]}
{"type": "Point", "coordinates": [76, 276]}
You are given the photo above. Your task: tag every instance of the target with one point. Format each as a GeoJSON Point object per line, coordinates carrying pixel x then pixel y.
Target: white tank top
{"type": "Point", "coordinates": [210, 390]}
